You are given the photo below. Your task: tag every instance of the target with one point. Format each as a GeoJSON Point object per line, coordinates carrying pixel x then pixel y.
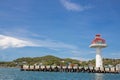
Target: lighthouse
{"type": "Point", "coordinates": [98, 43]}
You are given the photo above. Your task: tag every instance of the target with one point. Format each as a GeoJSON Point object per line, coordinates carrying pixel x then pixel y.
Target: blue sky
{"type": "Point", "coordinates": [63, 28]}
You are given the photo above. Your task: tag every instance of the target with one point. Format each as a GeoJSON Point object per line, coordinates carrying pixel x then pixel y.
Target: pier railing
{"type": "Point", "coordinates": [69, 69]}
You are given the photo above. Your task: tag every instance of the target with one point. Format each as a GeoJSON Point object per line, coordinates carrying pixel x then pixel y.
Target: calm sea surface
{"type": "Point", "coordinates": [16, 74]}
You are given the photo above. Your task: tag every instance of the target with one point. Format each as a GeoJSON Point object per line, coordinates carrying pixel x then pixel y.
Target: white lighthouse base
{"type": "Point", "coordinates": [99, 62]}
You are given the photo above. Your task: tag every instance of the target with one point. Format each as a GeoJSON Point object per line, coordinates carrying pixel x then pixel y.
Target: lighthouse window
{"type": "Point", "coordinates": [99, 42]}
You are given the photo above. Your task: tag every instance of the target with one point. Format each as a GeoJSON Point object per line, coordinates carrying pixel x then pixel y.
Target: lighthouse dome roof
{"type": "Point", "coordinates": [98, 40]}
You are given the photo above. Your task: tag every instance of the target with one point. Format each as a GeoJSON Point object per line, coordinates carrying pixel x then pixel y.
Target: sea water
{"type": "Point", "coordinates": [16, 74]}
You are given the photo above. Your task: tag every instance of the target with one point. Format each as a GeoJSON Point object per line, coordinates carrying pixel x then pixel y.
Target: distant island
{"type": "Point", "coordinates": [52, 60]}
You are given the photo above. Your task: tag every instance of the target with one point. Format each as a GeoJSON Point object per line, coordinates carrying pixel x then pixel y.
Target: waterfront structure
{"type": "Point", "coordinates": [51, 68]}
{"type": "Point", "coordinates": [98, 43]}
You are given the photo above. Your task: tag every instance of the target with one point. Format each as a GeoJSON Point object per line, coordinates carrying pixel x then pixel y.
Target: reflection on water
{"type": "Point", "coordinates": [99, 76]}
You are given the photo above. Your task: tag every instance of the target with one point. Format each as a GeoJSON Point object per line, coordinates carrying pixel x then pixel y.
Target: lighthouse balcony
{"type": "Point", "coordinates": [98, 45]}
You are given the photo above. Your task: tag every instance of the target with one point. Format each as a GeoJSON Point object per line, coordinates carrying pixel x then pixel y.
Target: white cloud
{"type": "Point", "coordinates": [115, 55]}
{"type": "Point", "coordinates": [77, 58]}
{"type": "Point", "coordinates": [54, 44]}
{"type": "Point", "coordinates": [12, 42]}
{"type": "Point", "coordinates": [73, 6]}
{"type": "Point", "coordinates": [81, 58]}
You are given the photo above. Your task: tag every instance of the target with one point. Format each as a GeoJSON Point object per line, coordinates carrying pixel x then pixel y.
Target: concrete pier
{"type": "Point", "coordinates": [68, 69]}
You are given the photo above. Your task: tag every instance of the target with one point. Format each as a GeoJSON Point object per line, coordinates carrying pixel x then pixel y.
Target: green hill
{"type": "Point", "coordinates": [46, 60]}
{"type": "Point", "coordinates": [52, 60]}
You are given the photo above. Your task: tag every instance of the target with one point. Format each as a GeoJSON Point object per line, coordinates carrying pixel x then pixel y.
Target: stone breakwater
{"type": "Point", "coordinates": [68, 69]}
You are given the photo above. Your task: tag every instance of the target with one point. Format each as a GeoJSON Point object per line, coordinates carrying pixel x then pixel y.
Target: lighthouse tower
{"type": "Point", "coordinates": [98, 43]}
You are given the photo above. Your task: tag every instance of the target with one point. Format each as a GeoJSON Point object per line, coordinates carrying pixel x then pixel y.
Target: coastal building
{"type": "Point", "coordinates": [98, 43]}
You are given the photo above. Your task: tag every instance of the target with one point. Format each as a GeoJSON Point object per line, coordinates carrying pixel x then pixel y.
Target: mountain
{"type": "Point", "coordinates": [53, 60]}
{"type": "Point", "coordinates": [46, 60]}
